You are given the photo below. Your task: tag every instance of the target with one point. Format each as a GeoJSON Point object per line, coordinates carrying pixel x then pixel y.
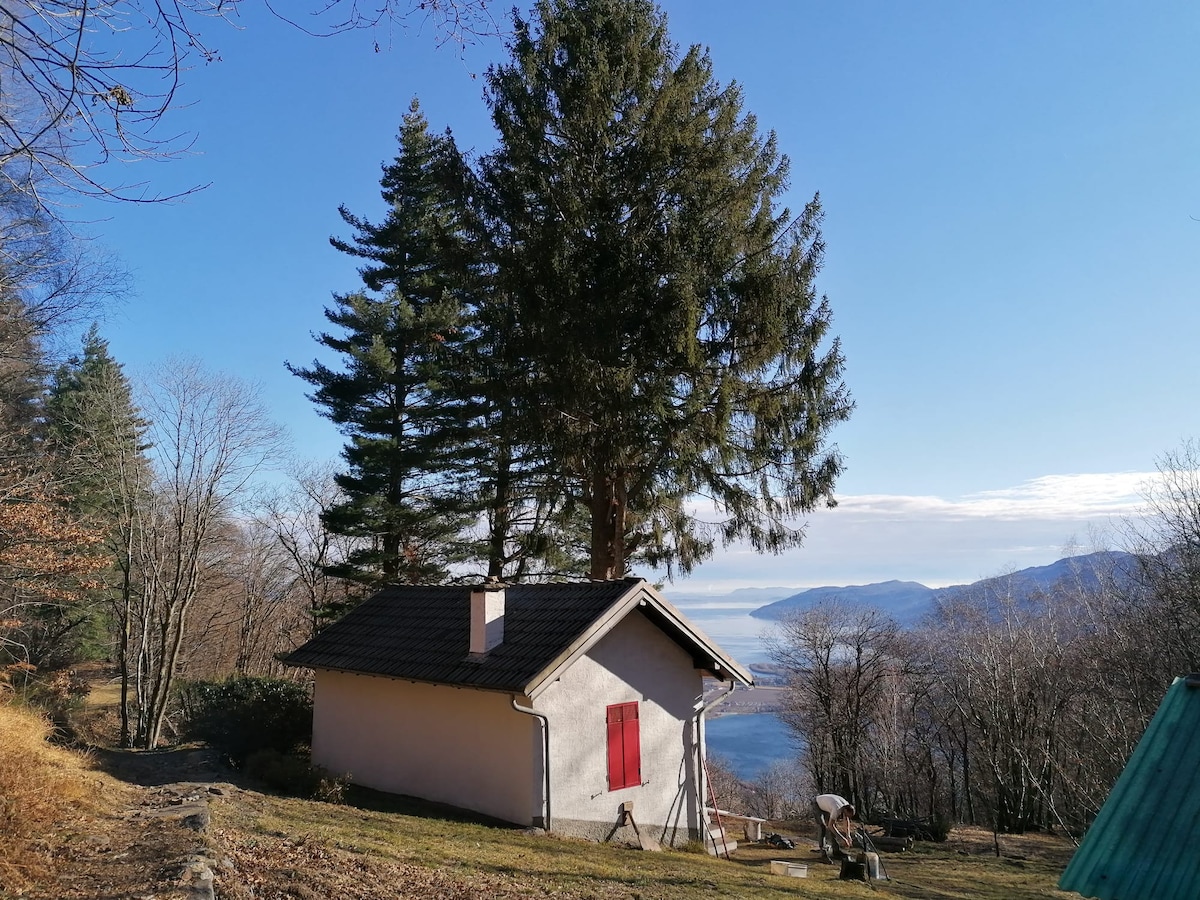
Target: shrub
{"type": "Point", "coordinates": [244, 714]}
{"type": "Point", "coordinates": [293, 773]}
{"type": "Point", "coordinates": [61, 695]}
{"type": "Point", "coordinates": [939, 828]}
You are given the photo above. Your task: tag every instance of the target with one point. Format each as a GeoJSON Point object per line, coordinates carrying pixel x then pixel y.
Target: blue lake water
{"type": "Point", "coordinates": [737, 633]}
{"type": "Point", "coordinates": [750, 742]}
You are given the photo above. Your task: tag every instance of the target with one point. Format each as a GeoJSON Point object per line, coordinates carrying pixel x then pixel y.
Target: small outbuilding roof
{"type": "Point", "coordinates": [419, 633]}
{"type": "Point", "coordinates": [1142, 844]}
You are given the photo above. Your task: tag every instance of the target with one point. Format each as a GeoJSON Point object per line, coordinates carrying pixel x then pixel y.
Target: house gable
{"type": "Point", "coordinates": [704, 653]}
{"type": "Point", "coordinates": [635, 663]}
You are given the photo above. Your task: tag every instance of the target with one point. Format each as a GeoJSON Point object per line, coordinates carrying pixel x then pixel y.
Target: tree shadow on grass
{"type": "Point", "coordinates": [401, 804]}
{"type": "Point", "coordinates": [167, 765]}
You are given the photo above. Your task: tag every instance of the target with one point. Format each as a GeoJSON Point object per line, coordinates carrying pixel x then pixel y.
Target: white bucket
{"type": "Point", "coordinates": [873, 867]}
{"type": "Point", "coordinates": [789, 868]}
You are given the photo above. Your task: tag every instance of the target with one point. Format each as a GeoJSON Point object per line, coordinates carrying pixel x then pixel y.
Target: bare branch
{"type": "Point", "coordinates": [86, 82]}
{"type": "Point", "coordinates": [459, 22]}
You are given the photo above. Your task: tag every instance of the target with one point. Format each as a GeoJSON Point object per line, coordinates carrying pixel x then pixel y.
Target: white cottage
{"type": "Point", "coordinates": [547, 705]}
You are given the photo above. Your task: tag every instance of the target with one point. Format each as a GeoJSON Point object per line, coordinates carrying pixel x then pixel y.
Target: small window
{"type": "Point", "coordinates": [624, 747]}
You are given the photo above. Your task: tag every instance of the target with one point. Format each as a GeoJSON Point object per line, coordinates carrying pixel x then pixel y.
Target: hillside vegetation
{"type": "Point", "coordinates": [71, 832]}
{"type": "Point", "coordinates": [384, 847]}
{"type": "Point", "coordinates": [40, 786]}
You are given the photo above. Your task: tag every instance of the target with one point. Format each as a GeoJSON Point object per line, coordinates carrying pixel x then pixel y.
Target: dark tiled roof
{"type": "Point", "coordinates": [423, 633]}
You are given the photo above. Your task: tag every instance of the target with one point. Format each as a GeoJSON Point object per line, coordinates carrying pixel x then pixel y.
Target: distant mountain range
{"type": "Point", "coordinates": [907, 601]}
{"type": "Point", "coordinates": [740, 597]}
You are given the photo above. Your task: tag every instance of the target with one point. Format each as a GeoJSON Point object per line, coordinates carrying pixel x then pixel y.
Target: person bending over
{"type": "Point", "coordinates": [834, 817]}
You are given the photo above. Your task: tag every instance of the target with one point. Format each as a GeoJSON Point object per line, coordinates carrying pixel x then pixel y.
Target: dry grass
{"type": "Point", "coordinates": [967, 866]}
{"type": "Point", "coordinates": [97, 721]}
{"type": "Point", "coordinates": [54, 809]}
{"type": "Point", "coordinates": [361, 850]}
{"type": "Point", "coordinates": [104, 693]}
{"type": "Point", "coordinates": [40, 785]}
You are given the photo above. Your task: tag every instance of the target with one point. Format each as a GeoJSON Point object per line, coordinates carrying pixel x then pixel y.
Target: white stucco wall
{"type": "Point", "coordinates": [634, 661]}
{"type": "Point", "coordinates": [463, 747]}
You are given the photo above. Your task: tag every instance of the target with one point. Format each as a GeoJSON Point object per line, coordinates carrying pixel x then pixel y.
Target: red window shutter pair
{"type": "Point", "coordinates": [624, 746]}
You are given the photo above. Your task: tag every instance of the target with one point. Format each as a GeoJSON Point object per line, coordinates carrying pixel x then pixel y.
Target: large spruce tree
{"type": "Point", "coordinates": [98, 436]}
{"type": "Point", "coordinates": [98, 430]}
{"type": "Point", "coordinates": [663, 308]}
{"type": "Point", "coordinates": [397, 340]}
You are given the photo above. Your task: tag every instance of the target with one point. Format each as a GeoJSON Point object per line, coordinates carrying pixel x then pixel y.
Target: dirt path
{"type": "Point", "coordinates": [152, 841]}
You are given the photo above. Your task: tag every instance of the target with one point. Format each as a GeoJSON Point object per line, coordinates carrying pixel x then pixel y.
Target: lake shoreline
{"type": "Point", "coordinates": [750, 701]}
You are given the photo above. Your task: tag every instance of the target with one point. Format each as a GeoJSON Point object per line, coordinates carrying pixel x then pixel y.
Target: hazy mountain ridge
{"type": "Point", "coordinates": [907, 601]}
{"type": "Point", "coordinates": [739, 597]}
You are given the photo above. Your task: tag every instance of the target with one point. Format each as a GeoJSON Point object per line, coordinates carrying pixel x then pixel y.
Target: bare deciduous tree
{"type": "Point", "coordinates": [87, 82]}
{"type": "Point", "coordinates": [724, 787]}
{"type": "Point", "coordinates": [1166, 541]}
{"type": "Point", "coordinates": [452, 21]}
{"type": "Point", "coordinates": [783, 790]}
{"type": "Point", "coordinates": [295, 514]}
{"type": "Point", "coordinates": [841, 660]}
{"type": "Point", "coordinates": [250, 608]}
{"type": "Point", "coordinates": [211, 436]}
{"type": "Point", "coordinates": [1010, 656]}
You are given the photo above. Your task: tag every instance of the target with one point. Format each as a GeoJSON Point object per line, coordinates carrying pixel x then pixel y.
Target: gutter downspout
{"type": "Point", "coordinates": [529, 711]}
{"type": "Point", "coordinates": [701, 763]}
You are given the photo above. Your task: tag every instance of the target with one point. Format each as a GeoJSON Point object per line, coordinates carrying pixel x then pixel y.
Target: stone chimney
{"type": "Point", "coordinates": [487, 616]}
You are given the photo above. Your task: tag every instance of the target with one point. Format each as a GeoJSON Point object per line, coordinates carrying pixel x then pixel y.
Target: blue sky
{"type": "Point", "coordinates": [1012, 201]}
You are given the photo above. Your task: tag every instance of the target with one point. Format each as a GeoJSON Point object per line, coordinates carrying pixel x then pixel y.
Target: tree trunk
{"type": "Point", "coordinates": [501, 512]}
{"type": "Point", "coordinates": [123, 654]}
{"type": "Point", "coordinates": [967, 787]}
{"type": "Point", "coordinates": [608, 510]}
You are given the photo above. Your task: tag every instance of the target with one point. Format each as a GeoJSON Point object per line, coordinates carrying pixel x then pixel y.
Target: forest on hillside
{"type": "Point", "coordinates": [1005, 706]}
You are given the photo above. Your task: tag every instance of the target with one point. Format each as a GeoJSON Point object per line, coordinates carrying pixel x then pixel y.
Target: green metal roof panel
{"type": "Point", "coordinates": [1142, 844]}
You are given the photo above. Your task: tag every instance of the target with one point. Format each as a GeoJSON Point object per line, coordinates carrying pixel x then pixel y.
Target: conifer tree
{"type": "Point", "coordinates": [673, 342]}
{"type": "Point", "coordinates": [97, 427]}
{"type": "Point", "coordinates": [395, 337]}
{"type": "Point", "coordinates": [98, 434]}
{"type": "Point", "coordinates": [530, 523]}
{"type": "Point", "coordinates": [23, 378]}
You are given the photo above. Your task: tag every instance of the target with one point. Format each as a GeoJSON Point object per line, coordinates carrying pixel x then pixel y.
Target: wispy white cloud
{"type": "Point", "coordinates": [936, 540]}
{"type": "Point", "coordinates": [1083, 496]}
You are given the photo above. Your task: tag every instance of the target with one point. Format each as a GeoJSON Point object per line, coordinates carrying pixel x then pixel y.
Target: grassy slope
{"type": "Point", "coordinates": [286, 848]}
{"type": "Point", "coordinates": [40, 786]}
{"type": "Point", "coordinates": [379, 846]}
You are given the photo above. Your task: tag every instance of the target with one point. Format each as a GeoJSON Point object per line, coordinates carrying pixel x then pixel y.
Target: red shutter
{"type": "Point", "coordinates": [633, 747]}
{"type": "Point", "coordinates": [624, 746]}
{"type": "Point", "coordinates": [616, 753]}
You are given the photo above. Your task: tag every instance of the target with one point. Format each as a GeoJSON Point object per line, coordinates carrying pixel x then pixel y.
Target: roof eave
{"type": "Point", "coordinates": [456, 685]}
{"type": "Point", "coordinates": [723, 666]}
